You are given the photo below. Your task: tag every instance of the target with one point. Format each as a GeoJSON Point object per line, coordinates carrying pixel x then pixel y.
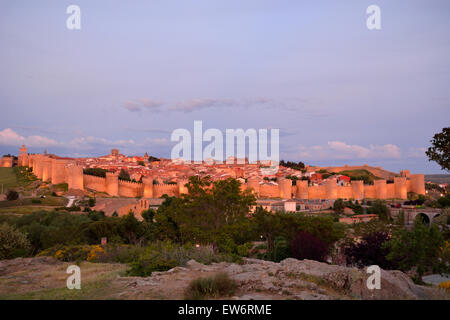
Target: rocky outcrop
{"type": "Point", "coordinates": [256, 280]}
{"type": "Point", "coordinates": [306, 279]}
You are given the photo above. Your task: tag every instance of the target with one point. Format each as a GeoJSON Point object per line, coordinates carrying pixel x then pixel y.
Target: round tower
{"type": "Point", "coordinates": [400, 188]}
{"type": "Point", "coordinates": [58, 171]}
{"type": "Point", "coordinates": [75, 177]}
{"type": "Point", "coordinates": [358, 189]}
{"type": "Point", "coordinates": [38, 166]}
{"type": "Point", "coordinates": [23, 156]}
{"type": "Point", "coordinates": [182, 189]}
{"type": "Point", "coordinates": [418, 183]}
{"type": "Point", "coordinates": [380, 189]}
{"type": "Point", "coordinates": [285, 186]}
{"type": "Point", "coordinates": [112, 184]}
{"type": "Point", "coordinates": [331, 189]}
{"type": "Point", "coordinates": [302, 189]}
{"type": "Point", "coordinates": [253, 184]}
{"type": "Point", "coordinates": [405, 173]}
{"type": "Point", "coordinates": [46, 169]}
{"type": "Point", "coordinates": [148, 186]}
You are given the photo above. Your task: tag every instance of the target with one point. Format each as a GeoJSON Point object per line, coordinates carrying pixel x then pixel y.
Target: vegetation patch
{"type": "Point", "coordinates": [217, 286]}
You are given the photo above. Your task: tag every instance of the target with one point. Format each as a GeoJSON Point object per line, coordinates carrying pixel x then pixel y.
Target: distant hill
{"type": "Point", "coordinates": [376, 171]}
{"type": "Point", "coordinates": [438, 178]}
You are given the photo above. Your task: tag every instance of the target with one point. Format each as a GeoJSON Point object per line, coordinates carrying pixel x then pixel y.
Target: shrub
{"type": "Point", "coordinates": [306, 246]}
{"type": "Point", "coordinates": [162, 256]}
{"type": "Point", "coordinates": [150, 262]}
{"type": "Point", "coordinates": [379, 207]}
{"type": "Point", "coordinates": [338, 206]}
{"type": "Point", "coordinates": [444, 285]}
{"type": "Point", "coordinates": [419, 248]}
{"type": "Point", "coordinates": [280, 249]}
{"type": "Point", "coordinates": [243, 249]}
{"type": "Point", "coordinates": [220, 285]}
{"type": "Point", "coordinates": [92, 202]}
{"type": "Point", "coordinates": [13, 243]}
{"type": "Point", "coordinates": [70, 253]}
{"type": "Point", "coordinates": [370, 251]}
{"type": "Point", "coordinates": [119, 254]}
{"type": "Point", "coordinates": [12, 195]}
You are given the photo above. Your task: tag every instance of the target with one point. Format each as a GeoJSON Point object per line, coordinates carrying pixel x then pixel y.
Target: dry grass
{"type": "Point", "coordinates": [219, 285]}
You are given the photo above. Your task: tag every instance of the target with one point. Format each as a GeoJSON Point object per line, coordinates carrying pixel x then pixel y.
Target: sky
{"type": "Point", "coordinates": [338, 92]}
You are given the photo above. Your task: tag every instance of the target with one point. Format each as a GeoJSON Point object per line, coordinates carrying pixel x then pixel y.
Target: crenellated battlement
{"type": "Point", "coordinates": [125, 182]}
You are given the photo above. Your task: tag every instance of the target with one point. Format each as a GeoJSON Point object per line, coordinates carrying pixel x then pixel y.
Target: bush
{"type": "Point", "coordinates": [307, 246]}
{"type": "Point", "coordinates": [120, 254]}
{"type": "Point", "coordinates": [370, 251]}
{"type": "Point", "coordinates": [73, 253]}
{"type": "Point", "coordinates": [162, 256]}
{"type": "Point", "coordinates": [379, 207]}
{"type": "Point", "coordinates": [220, 285]}
{"type": "Point", "coordinates": [12, 195]}
{"type": "Point", "coordinates": [338, 206]}
{"type": "Point", "coordinates": [13, 243]}
{"type": "Point", "coordinates": [280, 249]}
{"type": "Point", "coordinates": [91, 202]}
{"type": "Point", "coordinates": [419, 248]}
{"type": "Point", "coordinates": [243, 249]}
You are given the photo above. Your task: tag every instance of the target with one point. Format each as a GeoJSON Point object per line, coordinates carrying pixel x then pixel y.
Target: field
{"type": "Point", "coordinates": [8, 179]}
{"type": "Point", "coordinates": [22, 181]}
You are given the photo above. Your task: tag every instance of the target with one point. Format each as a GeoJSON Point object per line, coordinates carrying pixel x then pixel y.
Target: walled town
{"type": "Point", "coordinates": [152, 179]}
{"type": "Point", "coordinates": [130, 209]}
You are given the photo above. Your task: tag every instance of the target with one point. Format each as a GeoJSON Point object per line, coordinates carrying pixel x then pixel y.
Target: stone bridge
{"type": "Point", "coordinates": [428, 215]}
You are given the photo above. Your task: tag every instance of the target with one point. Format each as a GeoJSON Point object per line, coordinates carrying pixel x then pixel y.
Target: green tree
{"type": "Point", "coordinates": [419, 248]}
{"type": "Point", "coordinates": [205, 211]}
{"type": "Point", "coordinates": [338, 206]}
{"type": "Point", "coordinates": [440, 149]}
{"type": "Point", "coordinates": [124, 175]}
{"type": "Point", "coordinates": [380, 208]}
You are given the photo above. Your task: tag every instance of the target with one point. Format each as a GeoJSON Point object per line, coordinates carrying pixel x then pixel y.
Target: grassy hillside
{"type": "Point", "coordinates": [8, 178]}
{"type": "Point", "coordinates": [360, 174]}
{"type": "Point", "coordinates": [438, 178]}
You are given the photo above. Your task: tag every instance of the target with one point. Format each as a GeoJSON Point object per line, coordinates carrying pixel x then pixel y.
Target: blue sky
{"type": "Point", "coordinates": [339, 93]}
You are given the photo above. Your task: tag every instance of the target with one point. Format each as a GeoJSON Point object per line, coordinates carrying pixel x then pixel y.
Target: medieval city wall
{"type": "Point", "coordinates": [169, 189]}
{"type": "Point", "coordinates": [317, 192]}
{"type": "Point", "coordinates": [94, 183]}
{"type": "Point", "coordinates": [130, 189]}
{"type": "Point", "coordinates": [57, 171]}
{"type": "Point", "coordinates": [345, 192]}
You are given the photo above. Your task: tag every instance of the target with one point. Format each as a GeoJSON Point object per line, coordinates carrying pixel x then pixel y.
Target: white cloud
{"type": "Point", "coordinates": [9, 137]}
{"type": "Point", "coordinates": [307, 106]}
{"type": "Point", "coordinates": [201, 103]}
{"type": "Point", "coordinates": [338, 150]}
{"type": "Point", "coordinates": [140, 104]}
{"type": "Point", "coordinates": [92, 142]}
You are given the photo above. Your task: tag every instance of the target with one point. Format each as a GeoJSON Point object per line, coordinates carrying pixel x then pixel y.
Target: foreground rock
{"type": "Point", "coordinates": [289, 279]}
{"type": "Point", "coordinates": [37, 278]}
